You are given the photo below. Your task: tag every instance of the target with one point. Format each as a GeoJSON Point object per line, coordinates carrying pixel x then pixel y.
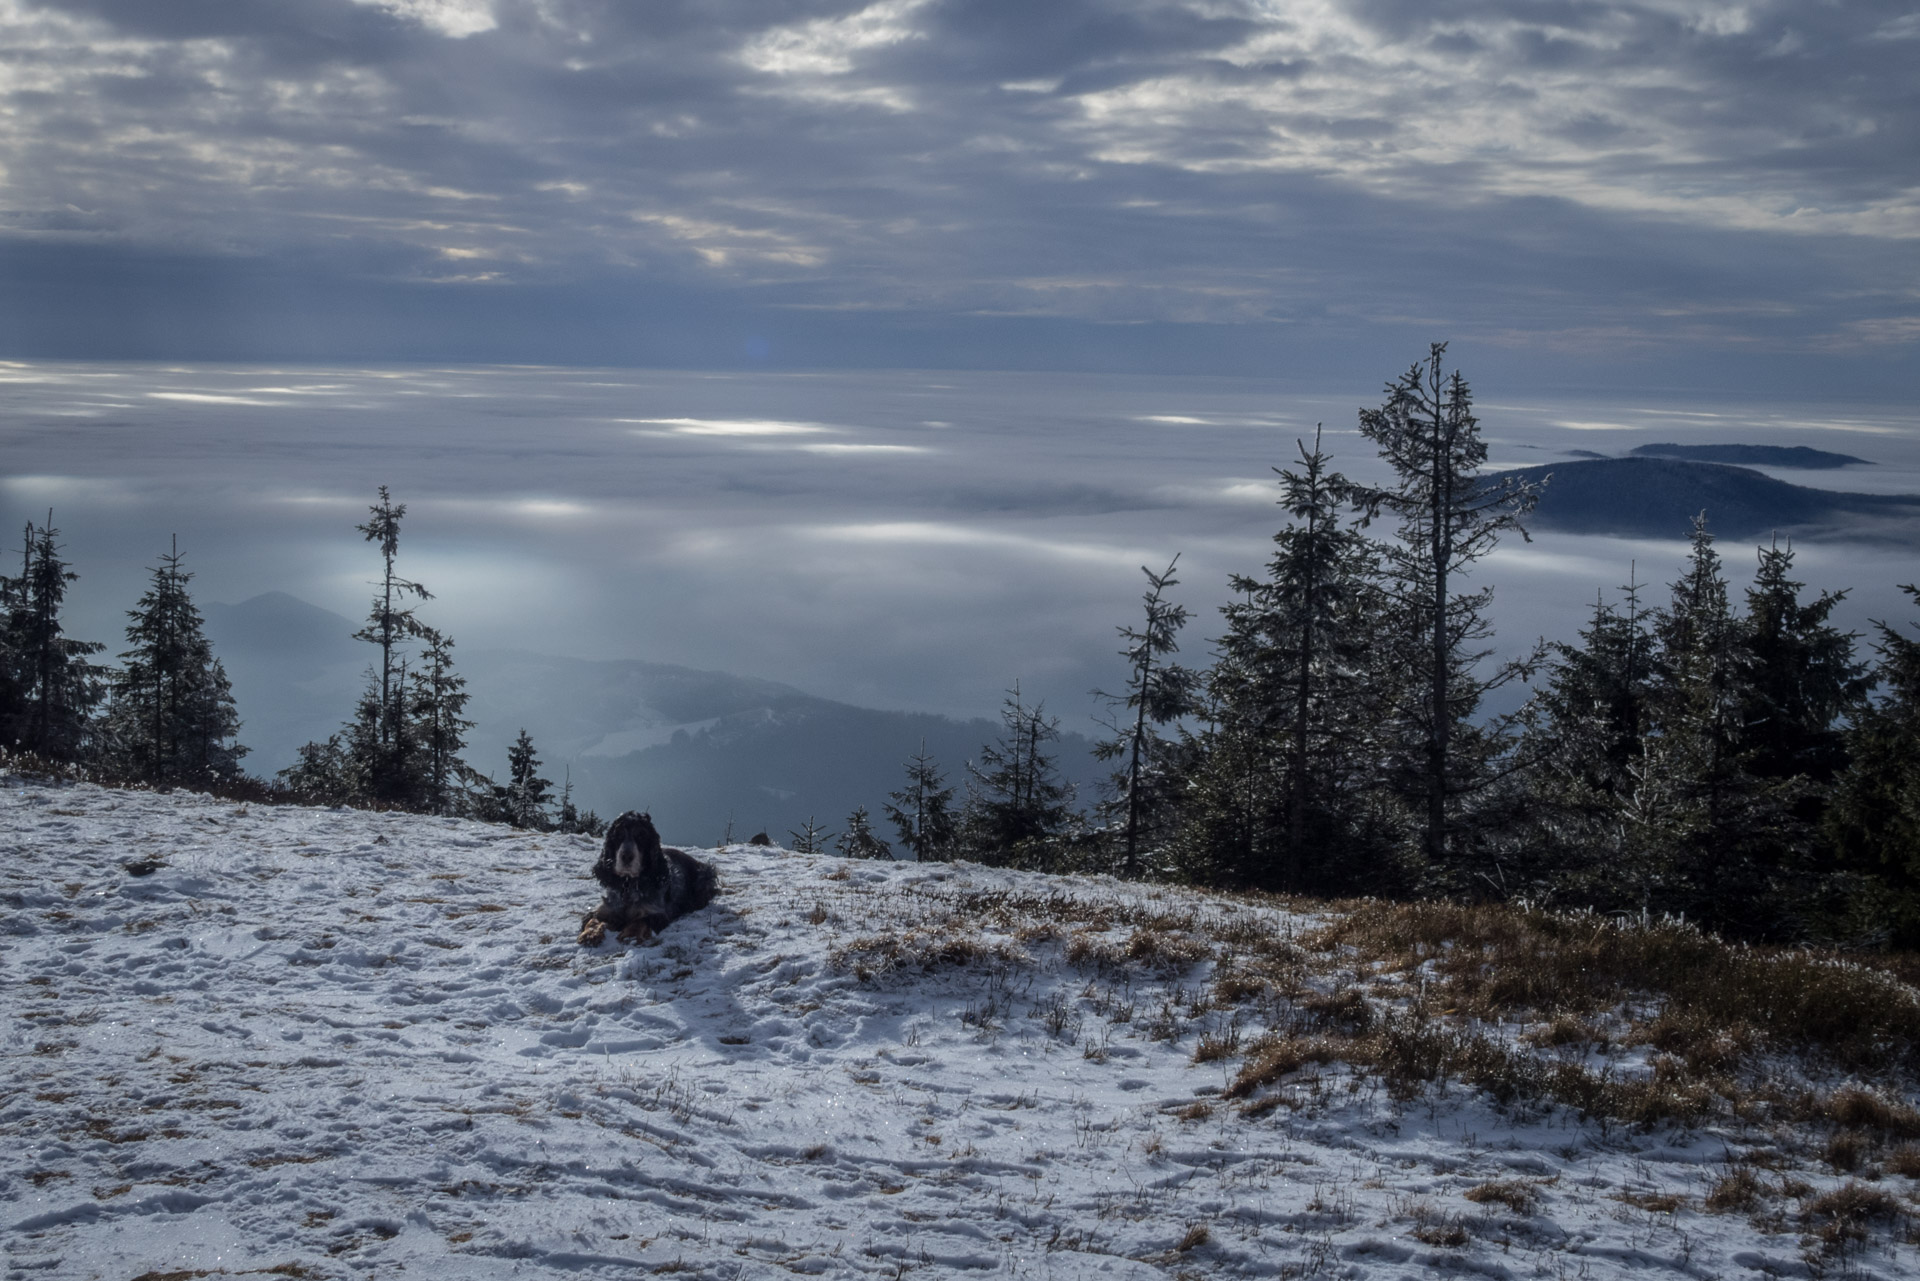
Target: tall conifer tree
{"type": "Point", "coordinates": [173, 717]}
{"type": "Point", "coordinates": [1017, 805]}
{"type": "Point", "coordinates": [1158, 693]}
{"type": "Point", "coordinates": [58, 689]}
{"type": "Point", "coordinates": [922, 810]}
{"type": "Point", "coordinates": [1449, 516]}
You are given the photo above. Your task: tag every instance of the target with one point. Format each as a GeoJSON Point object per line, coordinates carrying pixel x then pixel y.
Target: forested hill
{"type": "Point", "coordinates": [1654, 497]}
{"type": "Point", "coordinates": [1754, 455]}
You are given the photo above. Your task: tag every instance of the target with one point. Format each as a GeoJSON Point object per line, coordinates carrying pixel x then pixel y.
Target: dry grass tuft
{"type": "Point", "coordinates": [1842, 1216]}
{"type": "Point", "coordinates": [1565, 1029]}
{"type": "Point", "coordinates": [1273, 1059]}
{"type": "Point", "coordinates": [1516, 1194]}
{"type": "Point", "coordinates": [938, 948]}
{"type": "Point", "coordinates": [1217, 1045]}
{"type": "Point", "coordinates": [1196, 1236]}
{"type": "Point", "coordinates": [1846, 1150]}
{"type": "Point", "coordinates": [1859, 1108]}
{"type": "Point", "coordinates": [1735, 1192]}
{"type": "Point", "coordinates": [1652, 1202]}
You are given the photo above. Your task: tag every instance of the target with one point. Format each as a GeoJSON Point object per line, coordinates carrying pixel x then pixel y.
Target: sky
{"type": "Point", "coordinates": [1696, 196]}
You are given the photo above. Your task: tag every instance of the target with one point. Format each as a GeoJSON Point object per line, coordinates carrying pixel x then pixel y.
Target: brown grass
{"type": "Point", "coordinates": [1217, 1045]}
{"type": "Point", "coordinates": [1652, 1202]}
{"type": "Point", "coordinates": [1565, 1029]}
{"type": "Point", "coordinates": [1843, 1216]}
{"type": "Point", "coordinates": [1735, 1192]}
{"type": "Point", "coordinates": [1270, 1060]}
{"type": "Point", "coordinates": [1516, 1194]}
{"type": "Point", "coordinates": [1846, 1150]}
{"type": "Point", "coordinates": [933, 949]}
{"type": "Point", "coordinates": [1859, 1108]}
{"type": "Point", "coordinates": [1497, 960]}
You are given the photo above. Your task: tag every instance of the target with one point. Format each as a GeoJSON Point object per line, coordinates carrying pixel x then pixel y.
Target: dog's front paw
{"type": "Point", "coordinates": [638, 932]}
{"type": "Point", "coordinates": [593, 933]}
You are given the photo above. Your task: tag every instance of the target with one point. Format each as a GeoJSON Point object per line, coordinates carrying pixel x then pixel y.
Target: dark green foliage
{"type": "Point", "coordinates": [402, 747]}
{"type": "Point", "coordinates": [173, 718]}
{"type": "Point", "coordinates": [570, 820]}
{"type": "Point", "coordinates": [391, 623]}
{"type": "Point", "coordinates": [859, 841]}
{"type": "Point", "coordinates": [1802, 677]}
{"type": "Point", "coordinates": [1158, 693]}
{"type": "Point", "coordinates": [810, 839]}
{"type": "Point", "coordinates": [1279, 782]}
{"type": "Point", "coordinates": [1448, 517]}
{"type": "Point", "coordinates": [52, 690]}
{"type": "Point", "coordinates": [524, 800]}
{"type": "Point", "coordinates": [1874, 819]}
{"type": "Point", "coordinates": [922, 811]}
{"type": "Point", "coordinates": [1017, 806]}
{"type": "Point", "coordinates": [1582, 746]}
{"type": "Point", "coordinates": [437, 731]}
{"type": "Point", "coordinates": [1682, 768]}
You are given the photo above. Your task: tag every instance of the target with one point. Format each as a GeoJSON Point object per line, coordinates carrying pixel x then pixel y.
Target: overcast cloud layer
{"type": "Point", "coordinates": [1712, 191]}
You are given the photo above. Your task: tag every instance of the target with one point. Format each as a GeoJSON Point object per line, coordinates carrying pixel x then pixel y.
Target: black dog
{"type": "Point", "coordinates": [647, 886]}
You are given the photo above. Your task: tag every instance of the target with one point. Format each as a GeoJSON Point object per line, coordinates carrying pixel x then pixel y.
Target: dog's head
{"type": "Point", "coordinates": [632, 849]}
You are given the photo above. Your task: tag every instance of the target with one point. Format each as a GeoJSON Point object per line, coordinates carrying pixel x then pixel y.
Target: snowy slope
{"type": "Point", "coordinates": [344, 1044]}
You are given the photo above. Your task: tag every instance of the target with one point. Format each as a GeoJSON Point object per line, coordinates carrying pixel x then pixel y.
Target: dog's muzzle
{"type": "Point", "coordinates": [626, 859]}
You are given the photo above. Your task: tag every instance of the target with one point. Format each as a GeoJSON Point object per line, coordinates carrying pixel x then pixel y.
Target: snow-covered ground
{"type": "Point", "coordinates": [328, 1043]}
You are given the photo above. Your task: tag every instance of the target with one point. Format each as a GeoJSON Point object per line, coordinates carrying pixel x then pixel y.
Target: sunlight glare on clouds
{"type": "Point", "coordinates": [205, 398]}
{"type": "Point", "coordinates": [731, 427]}
{"type": "Point", "coordinates": [864, 449]}
{"type": "Point", "coordinates": [939, 534]}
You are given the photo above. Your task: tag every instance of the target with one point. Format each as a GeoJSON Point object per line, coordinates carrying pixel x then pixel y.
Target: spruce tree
{"type": "Point", "coordinates": [859, 840]}
{"type": "Point", "coordinates": [571, 820]}
{"type": "Point", "coordinates": [173, 717]}
{"type": "Point", "coordinates": [402, 745]}
{"type": "Point", "coordinates": [384, 747]}
{"type": "Point", "coordinates": [439, 696]}
{"type": "Point", "coordinates": [1582, 746]}
{"type": "Point", "coordinates": [1711, 837]}
{"type": "Point", "coordinates": [1297, 694]}
{"type": "Point", "coordinates": [1017, 805]}
{"type": "Point", "coordinates": [1873, 822]}
{"type": "Point", "coordinates": [1802, 679]}
{"type": "Point", "coordinates": [1158, 693]}
{"type": "Point", "coordinates": [322, 773]}
{"type": "Point", "coordinates": [13, 682]}
{"type": "Point", "coordinates": [922, 811]}
{"type": "Point", "coordinates": [1449, 517]}
{"type": "Point", "coordinates": [58, 690]}
{"type": "Point", "coordinates": [527, 795]}
{"type": "Point", "coordinates": [811, 838]}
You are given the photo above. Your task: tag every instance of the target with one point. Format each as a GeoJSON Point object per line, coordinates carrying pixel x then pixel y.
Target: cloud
{"type": "Point", "coordinates": [1605, 177]}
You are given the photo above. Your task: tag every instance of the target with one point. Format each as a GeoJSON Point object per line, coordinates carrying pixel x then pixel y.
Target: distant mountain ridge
{"type": "Point", "coordinates": [1753, 455]}
{"type": "Point", "coordinates": [1657, 497]}
{"type": "Point", "coordinates": [699, 748]}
